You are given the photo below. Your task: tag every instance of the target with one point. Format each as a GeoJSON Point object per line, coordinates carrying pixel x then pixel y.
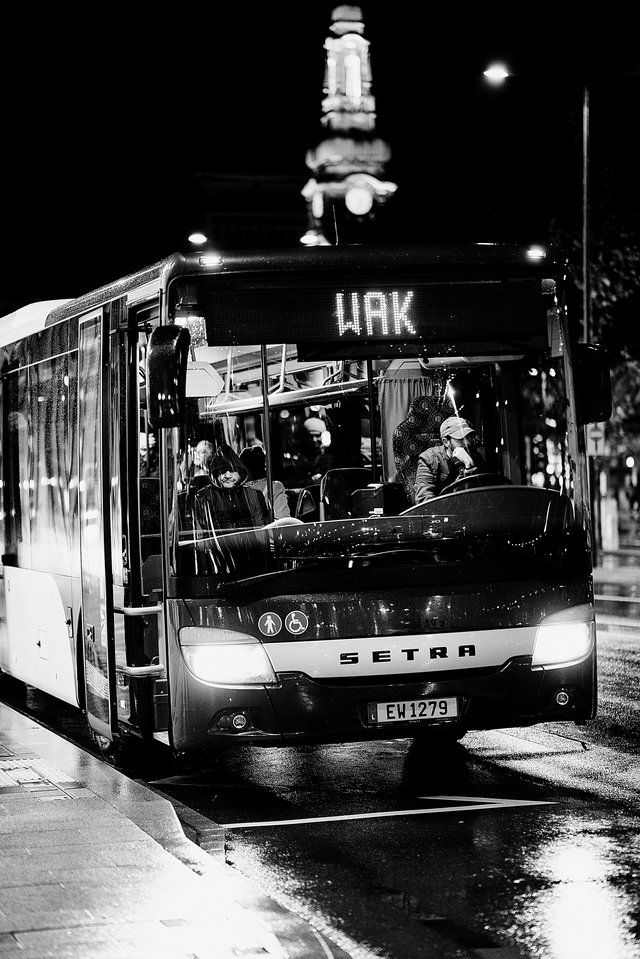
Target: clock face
{"type": "Point", "coordinates": [358, 200]}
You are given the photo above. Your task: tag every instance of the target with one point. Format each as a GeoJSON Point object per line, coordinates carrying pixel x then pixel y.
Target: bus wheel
{"type": "Point", "coordinates": [442, 734]}
{"type": "Point", "coordinates": [121, 753]}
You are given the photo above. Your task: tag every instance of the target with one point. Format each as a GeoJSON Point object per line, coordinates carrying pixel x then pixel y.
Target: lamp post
{"type": "Point", "coordinates": [586, 277]}
{"type": "Point", "coordinates": [497, 73]}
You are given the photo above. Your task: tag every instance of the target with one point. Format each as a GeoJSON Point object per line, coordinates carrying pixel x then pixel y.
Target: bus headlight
{"type": "Point", "coordinates": [565, 637]}
{"type": "Point", "coordinates": [225, 657]}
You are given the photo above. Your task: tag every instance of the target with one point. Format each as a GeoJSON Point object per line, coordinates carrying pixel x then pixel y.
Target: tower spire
{"type": "Point", "coordinates": [347, 165]}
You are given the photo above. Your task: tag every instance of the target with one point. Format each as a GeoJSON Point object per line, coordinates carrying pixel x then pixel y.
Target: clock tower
{"type": "Point", "coordinates": [346, 188]}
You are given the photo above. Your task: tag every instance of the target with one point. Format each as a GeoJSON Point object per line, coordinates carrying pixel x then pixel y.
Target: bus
{"type": "Point", "coordinates": [334, 605]}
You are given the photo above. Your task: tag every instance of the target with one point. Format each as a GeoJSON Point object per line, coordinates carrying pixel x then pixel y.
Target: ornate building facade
{"type": "Point", "coordinates": [347, 187]}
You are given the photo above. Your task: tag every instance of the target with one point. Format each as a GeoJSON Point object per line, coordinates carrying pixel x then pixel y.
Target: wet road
{"type": "Point", "coordinates": [515, 843]}
{"type": "Point", "coordinates": [401, 852]}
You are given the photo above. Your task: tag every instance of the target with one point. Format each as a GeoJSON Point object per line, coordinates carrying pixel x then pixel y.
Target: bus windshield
{"type": "Point", "coordinates": [306, 468]}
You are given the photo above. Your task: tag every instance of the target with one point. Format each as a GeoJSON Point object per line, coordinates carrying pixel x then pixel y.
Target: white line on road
{"type": "Point", "coordinates": [471, 804]}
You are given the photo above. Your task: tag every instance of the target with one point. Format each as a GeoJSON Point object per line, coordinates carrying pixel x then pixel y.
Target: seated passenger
{"type": "Point", "coordinates": [202, 457]}
{"type": "Point", "coordinates": [253, 457]}
{"type": "Point", "coordinates": [457, 457]}
{"type": "Point", "coordinates": [148, 455]}
{"type": "Point", "coordinates": [311, 458]}
{"type": "Point", "coordinates": [229, 503]}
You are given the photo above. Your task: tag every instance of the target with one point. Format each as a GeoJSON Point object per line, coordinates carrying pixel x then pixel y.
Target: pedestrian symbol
{"type": "Point", "coordinates": [296, 622]}
{"type": "Point", "coordinates": [269, 624]}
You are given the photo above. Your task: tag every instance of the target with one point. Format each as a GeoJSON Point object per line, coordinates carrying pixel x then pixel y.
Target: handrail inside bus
{"type": "Point", "coordinates": [155, 670]}
{"type": "Point", "coordinates": [327, 392]}
{"type": "Point", "coordinates": [283, 372]}
{"type": "Point", "coordinates": [138, 610]}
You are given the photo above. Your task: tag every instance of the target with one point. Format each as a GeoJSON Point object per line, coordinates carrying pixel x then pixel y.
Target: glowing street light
{"type": "Point", "coordinates": [496, 73]}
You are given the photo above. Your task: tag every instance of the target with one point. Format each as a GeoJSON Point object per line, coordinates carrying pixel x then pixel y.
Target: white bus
{"type": "Point", "coordinates": [347, 607]}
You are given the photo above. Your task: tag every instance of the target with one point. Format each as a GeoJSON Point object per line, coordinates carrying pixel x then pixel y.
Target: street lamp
{"type": "Point", "coordinates": [496, 74]}
{"type": "Point", "coordinates": [586, 278]}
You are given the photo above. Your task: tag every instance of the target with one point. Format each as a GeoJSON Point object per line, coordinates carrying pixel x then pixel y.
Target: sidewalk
{"type": "Point", "coordinates": [621, 566]}
{"type": "Point", "coordinates": [93, 864]}
{"type": "Point", "coordinates": [616, 582]}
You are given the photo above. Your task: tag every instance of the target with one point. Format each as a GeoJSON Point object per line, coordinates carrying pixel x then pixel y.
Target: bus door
{"type": "Point", "coordinates": [136, 553]}
{"type": "Point", "coordinates": [95, 535]}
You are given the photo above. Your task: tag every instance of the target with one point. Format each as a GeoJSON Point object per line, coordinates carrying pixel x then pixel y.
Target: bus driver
{"type": "Point", "coordinates": [457, 457]}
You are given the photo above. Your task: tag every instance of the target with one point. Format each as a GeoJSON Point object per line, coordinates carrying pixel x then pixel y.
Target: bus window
{"type": "Point", "coordinates": [318, 431]}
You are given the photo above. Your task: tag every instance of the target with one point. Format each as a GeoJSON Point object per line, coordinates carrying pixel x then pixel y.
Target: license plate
{"type": "Point", "coordinates": [412, 709]}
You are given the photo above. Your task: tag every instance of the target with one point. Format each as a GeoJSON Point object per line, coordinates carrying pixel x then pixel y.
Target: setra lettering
{"type": "Point", "coordinates": [464, 651]}
{"type": "Point", "coordinates": [348, 659]}
{"type": "Point", "coordinates": [381, 656]}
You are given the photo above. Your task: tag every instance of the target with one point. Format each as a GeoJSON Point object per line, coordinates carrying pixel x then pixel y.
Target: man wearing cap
{"type": "Point", "coordinates": [438, 466]}
{"type": "Point", "coordinates": [308, 463]}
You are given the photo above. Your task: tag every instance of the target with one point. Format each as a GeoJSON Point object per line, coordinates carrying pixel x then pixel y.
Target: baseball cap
{"type": "Point", "coordinates": [456, 427]}
{"type": "Point", "coordinates": [314, 424]}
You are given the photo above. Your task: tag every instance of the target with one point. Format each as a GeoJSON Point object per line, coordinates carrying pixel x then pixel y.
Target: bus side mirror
{"type": "Point", "coordinates": [167, 375]}
{"type": "Point", "coordinates": [593, 383]}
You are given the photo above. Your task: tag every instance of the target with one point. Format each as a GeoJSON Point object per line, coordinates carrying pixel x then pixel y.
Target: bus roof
{"type": "Point", "coordinates": [28, 319]}
{"type": "Point", "coordinates": [442, 259]}
{"type": "Point", "coordinates": [469, 259]}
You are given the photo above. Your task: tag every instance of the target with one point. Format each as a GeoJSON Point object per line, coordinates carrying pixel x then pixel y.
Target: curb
{"type": "Point", "coordinates": [208, 835]}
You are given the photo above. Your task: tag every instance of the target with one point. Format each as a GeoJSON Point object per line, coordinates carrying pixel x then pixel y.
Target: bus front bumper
{"type": "Point", "coordinates": [302, 710]}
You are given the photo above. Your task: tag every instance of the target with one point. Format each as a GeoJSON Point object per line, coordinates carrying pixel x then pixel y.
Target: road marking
{"type": "Point", "coordinates": [470, 804]}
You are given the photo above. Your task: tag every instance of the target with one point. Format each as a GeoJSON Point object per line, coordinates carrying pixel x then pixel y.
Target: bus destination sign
{"type": "Point", "coordinates": [375, 314]}
{"type": "Point", "coordinates": [366, 314]}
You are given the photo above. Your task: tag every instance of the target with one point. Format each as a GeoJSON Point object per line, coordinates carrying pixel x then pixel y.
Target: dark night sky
{"type": "Point", "coordinates": [105, 124]}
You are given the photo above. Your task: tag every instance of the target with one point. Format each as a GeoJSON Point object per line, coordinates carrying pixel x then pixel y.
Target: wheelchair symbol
{"type": "Point", "coordinates": [296, 622]}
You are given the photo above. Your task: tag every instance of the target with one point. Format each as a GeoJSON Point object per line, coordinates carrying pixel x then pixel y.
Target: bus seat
{"type": "Point", "coordinates": [419, 430]}
{"type": "Point", "coordinates": [336, 487]}
{"type": "Point", "coordinates": [391, 498]}
{"type": "Point", "coordinates": [303, 504]}
{"type": "Point", "coordinates": [152, 573]}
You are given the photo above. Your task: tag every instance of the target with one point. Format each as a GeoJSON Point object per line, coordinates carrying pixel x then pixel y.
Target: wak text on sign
{"type": "Point", "coordinates": [374, 313]}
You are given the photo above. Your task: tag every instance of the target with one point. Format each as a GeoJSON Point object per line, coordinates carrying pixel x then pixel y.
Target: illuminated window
{"type": "Point", "coordinates": [332, 81]}
{"type": "Point", "coordinates": [353, 78]}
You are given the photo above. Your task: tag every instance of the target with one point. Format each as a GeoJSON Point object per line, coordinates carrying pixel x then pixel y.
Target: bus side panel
{"type": "Point", "coordinates": [38, 644]}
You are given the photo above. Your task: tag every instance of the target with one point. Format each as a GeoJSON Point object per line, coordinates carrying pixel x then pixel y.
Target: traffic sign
{"type": "Point", "coordinates": [597, 445]}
